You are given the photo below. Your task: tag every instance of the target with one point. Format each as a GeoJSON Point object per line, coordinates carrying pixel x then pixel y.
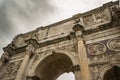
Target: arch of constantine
{"type": "Point", "coordinates": [86, 44]}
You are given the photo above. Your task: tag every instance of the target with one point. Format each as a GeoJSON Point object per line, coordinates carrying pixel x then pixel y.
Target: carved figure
{"type": "Point", "coordinates": [88, 20]}
{"type": "Point", "coordinates": [29, 49]}
{"type": "Point", "coordinates": [114, 44]}
{"type": "Point", "coordinates": [96, 49]}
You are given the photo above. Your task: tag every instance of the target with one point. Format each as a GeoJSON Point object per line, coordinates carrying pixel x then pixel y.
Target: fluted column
{"type": "Point", "coordinates": [21, 75]}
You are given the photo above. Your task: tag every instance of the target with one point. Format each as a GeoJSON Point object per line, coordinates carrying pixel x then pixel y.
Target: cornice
{"type": "Point", "coordinates": [11, 48]}
{"type": "Point", "coordinates": [80, 15]}
{"type": "Point", "coordinates": [36, 44]}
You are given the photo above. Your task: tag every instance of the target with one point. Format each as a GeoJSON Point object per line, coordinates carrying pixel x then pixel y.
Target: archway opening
{"type": "Point", "coordinates": [35, 78]}
{"type": "Point", "coordinates": [67, 76]}
{"type": "Point", "coordinates": [51, 67]}
{"type": "Point", "coordinates": [112, 74]}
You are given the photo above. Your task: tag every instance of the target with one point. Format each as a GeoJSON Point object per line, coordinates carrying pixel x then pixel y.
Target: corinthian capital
{"type": "Point", "coordinates": [5, 57]}
{"type": "Point", "coordinates": [30, 49]}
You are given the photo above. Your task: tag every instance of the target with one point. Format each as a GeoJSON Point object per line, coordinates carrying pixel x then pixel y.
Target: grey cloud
{"type": "Point", "coordinates": [15, 13]}
{"type": "Point", "coordinates": [29, 9]}
{"type": "Point", "coordinates": [5, 24]}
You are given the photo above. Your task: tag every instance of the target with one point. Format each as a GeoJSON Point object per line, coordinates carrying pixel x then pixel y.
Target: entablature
{"type": "Point", "coordinates": [93, 22]}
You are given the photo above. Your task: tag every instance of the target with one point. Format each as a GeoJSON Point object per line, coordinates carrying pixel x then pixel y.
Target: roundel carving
{"type": "Point", "coordinates": [114, 44]}
{"type": "Point", "coordinates": [96, 48]}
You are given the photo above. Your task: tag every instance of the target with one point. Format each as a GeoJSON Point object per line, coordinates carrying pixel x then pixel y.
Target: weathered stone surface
{"type": "Point", "coordinates": [86, 44]}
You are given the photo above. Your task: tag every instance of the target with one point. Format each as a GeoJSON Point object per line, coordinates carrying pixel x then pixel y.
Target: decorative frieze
{"type": "Point", "coordinates": [88, 20]}
{"type": "Point", "coordinates": [67, 44]}
{"type": "Point", "coordinates": [96, 18]}
{"type": "Point", "coordinates": [105, 46]}
{"type": "Point", "coordinates": [103, 52]}
{"type": "Point", "coordinates": [103, 59]}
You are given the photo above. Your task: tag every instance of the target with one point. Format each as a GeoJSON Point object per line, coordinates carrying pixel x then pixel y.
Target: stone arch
{"type": "Point", "coordinates": [112, 74]}
{"type": "Point", "coordinates": [52, 66]}
{"type": "Point", "coordinates": [71, 55]}
{"type": "Point", "coordinates": [107, 68]}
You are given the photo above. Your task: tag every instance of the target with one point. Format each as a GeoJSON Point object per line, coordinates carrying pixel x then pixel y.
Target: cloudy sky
{"type": "Point", "coordinates": [20, 16]}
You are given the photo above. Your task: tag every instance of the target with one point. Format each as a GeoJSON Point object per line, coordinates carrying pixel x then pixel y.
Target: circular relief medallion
{"type": "Point", "coordinates": [114, 44]}
{"type": "Point", "coordinates": [96, 48]}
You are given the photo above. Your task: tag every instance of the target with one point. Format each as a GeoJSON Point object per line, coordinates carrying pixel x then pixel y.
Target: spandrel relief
{"type": "Point", "coordinates": [10, 70]}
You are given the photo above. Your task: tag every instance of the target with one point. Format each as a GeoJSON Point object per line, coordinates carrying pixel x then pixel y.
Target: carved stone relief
{"type": "Point", "coordinates": [30, 49]}
{"type": "Point", "coordinates": [95, 72]}
{"type": "Point", "coordinates": [96, 48]}
{"type": "Point", "coordinates": [114, 44]}
{"type": "Point", "coordinates": [42, 34]}
{"type": "Point", "coordinates": [104, 58]}
{"type": "Point", "coordinates": [10, 70]}
{"type": "Point", "coordinates": [97, 17]}
{"type": "Point", "coordinates": [19, 41]}
{"type": "Point", "coordinates": [5, 56]}
{"type": "Point", "coordinates": [114, 9]}
{"type": "Point", "coordinates": [37, 57]}
{"type": "Point", "coordinates": [101, 53]}
{"type": "Point", "coordinates": [88, 20]}
{"type": "Point", "coordinates": [98, 70]}
{"type": "Point", "coordinates": [39, 53]}
{"type": "Point", "coordinates": [101, 17]}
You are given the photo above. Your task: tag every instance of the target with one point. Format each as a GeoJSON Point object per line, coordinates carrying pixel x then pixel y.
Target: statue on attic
{"type": "Point", "coordinates": [116, 13]}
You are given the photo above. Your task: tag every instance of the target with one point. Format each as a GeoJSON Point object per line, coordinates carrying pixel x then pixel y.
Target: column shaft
{"type": "Point", "coordinates": [83, 60]}
{"type": "Point", "coordinates": [77, 75]}
{"type": "Point", "coordinates": [22, 70]}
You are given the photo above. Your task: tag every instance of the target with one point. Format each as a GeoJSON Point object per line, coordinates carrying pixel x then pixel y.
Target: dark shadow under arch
{"type": "Point", "coordinates": [112, 74]}
{"type": "Point", "coordinates": [51, 67]}
{"type": "Point", "coordinates": [35, 78]}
